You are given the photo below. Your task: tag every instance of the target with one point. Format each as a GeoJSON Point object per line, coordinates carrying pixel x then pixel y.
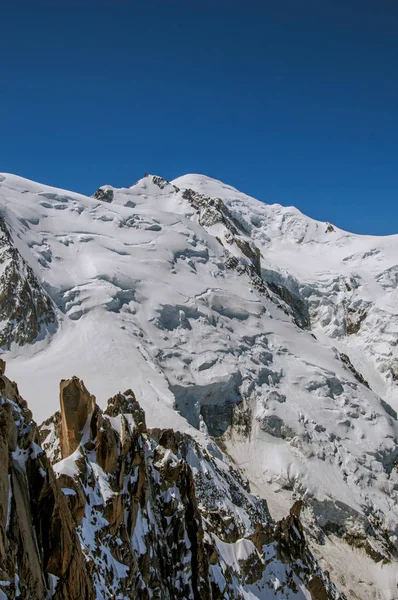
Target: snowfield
{"type": "Point", "coordinates": [234, 319]}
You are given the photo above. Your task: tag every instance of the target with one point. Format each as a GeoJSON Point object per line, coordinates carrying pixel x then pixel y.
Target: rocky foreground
{"type": "Point", "coordinates": [95, 505]}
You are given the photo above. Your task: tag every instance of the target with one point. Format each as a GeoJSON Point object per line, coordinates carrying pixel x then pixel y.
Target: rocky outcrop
{"type": "Point", "coordinates": [348, 364]}
{"type": "Point", "coordinates": [212, 211]}
{"type": "Point", "coordinates": [295, 303]}
{"type": "Point", "coordinates": [103, 195]}
{"type": "Point", "coordinates": [134, 513]}
{"type": "Point", "coordinates": [26, 311]}
{"type": "Point", "coordinates": [40, 553]}
{"type": "Point", "coordinates": [162, 183]}
{"type": "Point", "coordinates": [77, 406]}
{"type": "Point", "coordinates": [354, 319]}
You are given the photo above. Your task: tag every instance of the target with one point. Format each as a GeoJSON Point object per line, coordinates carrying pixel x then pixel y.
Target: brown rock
{"type": "Point", "coordinates": [77, 406]}
{"type": "Point", "coordinates": [37, 530]}
{"type": "Point", "coordinates": [170, 439]}
{"type": "Point", "coordinates": [261, 536]}
{"type": "Point", "coordinates": [212, 553]}
{"type": "Point", "coordinates": [23, 536]}
{"type": "Point", "coordinates": [290, 535]}
{"type": "Point", "coordinates": [127, 404]}
{"type": "Point", "coordinates": [317, 589]}
{"type": "Point", "coordinates": [107, 445]}
{"type": "Point", "coordinates": [114, 512]}
{"type": "Point", "coordinates": [296, 509]}
{"type": "Point", "coordinates": [76, 501]}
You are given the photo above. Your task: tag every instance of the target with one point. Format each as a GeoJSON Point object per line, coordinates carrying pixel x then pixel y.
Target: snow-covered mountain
{"type": "Point", "coordinates": [230, 319]}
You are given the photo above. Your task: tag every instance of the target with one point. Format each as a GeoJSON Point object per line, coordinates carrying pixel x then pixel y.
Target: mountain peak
{"type": "Point", "coordinates": [246, 325]}
{"type": "Point", "coordinates": [208, 186]}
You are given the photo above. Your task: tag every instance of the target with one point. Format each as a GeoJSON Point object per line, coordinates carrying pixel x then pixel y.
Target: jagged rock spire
{"type": "Point", "coordinates": [77, 406]}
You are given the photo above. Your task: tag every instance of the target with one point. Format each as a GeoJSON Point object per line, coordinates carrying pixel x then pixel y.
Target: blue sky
{"type": "Point", "coordinates": [291, 102]}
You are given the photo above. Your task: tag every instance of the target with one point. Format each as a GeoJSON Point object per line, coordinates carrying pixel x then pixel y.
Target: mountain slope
{"type": "Point", "coordinates": [26, 311]}
{"type": "Point", "coordinates": [234, 319]}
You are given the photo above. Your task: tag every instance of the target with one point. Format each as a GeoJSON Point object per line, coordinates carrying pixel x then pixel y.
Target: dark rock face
{"type": "Point", "coordinates": [354, 319]}
{"type": "Point", "coordinates": [348, 364]}
{"type": "Point", "coordinates": [26, 311]}
{"type": "Point", "coordinates": [134, 513]}
{"type": "Point", "coordinates": [162, 183]}
{"type": "Point", "coordinates": [214, 210]}
{"type": "Point", "coordinates": [218, 417]}
{"type": "Point", "coordinates": [205, 398]}
{"type": "Point", "coordinates": [275, 426]}
{"type": "Point", "coordinates": [298, 306]}
{"type": "Point", "coordinates": [103, 195]}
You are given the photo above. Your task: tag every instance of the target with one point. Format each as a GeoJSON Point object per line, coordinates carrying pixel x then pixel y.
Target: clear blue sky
{"type": "Point", "coordinates": [290, 101]}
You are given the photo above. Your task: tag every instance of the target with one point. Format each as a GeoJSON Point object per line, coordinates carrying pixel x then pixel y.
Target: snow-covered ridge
{"type": "Point", "coordinates": [228, 317]}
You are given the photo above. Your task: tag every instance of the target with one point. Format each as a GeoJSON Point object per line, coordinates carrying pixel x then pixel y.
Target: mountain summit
{"type": "Point", "coordinates": [249, 327]}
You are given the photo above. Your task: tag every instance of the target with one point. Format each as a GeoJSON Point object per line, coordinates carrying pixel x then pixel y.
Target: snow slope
{"type": "Point", "coordinates": [229, 317]}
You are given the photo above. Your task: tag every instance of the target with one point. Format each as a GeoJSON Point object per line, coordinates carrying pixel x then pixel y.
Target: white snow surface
{"type": "Point", "coordinates": [145, 302]}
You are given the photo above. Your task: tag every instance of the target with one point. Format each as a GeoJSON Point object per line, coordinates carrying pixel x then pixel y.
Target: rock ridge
{"type": "Point", "coordinates": [126, 512]}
